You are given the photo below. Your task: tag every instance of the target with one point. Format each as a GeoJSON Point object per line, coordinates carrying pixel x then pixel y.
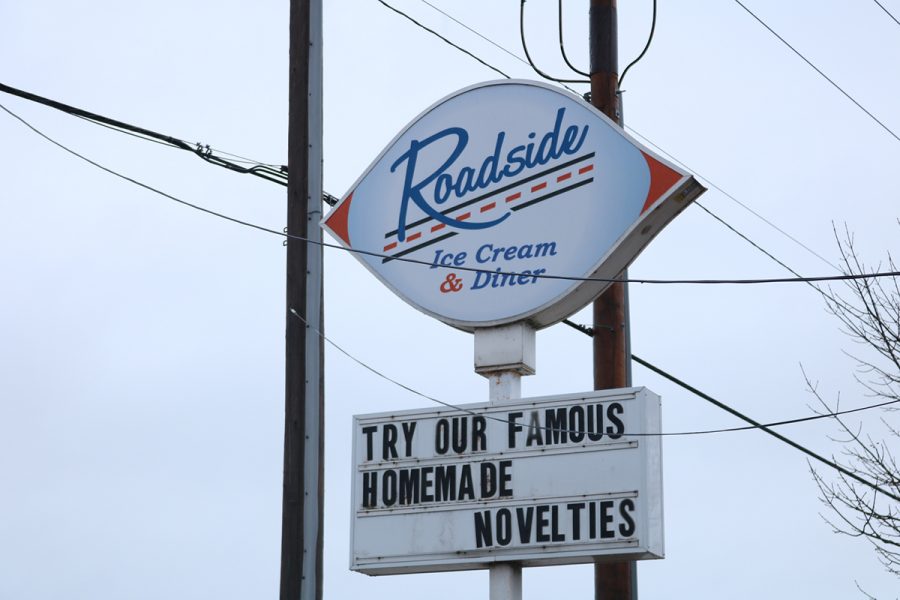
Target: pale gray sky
{"type": "Point", "coordinates": [141, 342]}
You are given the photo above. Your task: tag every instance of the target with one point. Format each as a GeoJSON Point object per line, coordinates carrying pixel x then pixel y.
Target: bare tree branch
{"type": "Point", "coordinates": [869, 314]}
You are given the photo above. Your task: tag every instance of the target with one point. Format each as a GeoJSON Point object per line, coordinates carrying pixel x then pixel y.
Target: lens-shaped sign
{"type": "Point", "coordinates": [507, 201]}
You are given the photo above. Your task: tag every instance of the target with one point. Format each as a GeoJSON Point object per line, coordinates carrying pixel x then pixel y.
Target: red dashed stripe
{"type": "Point", "coordinates": [511, 198]}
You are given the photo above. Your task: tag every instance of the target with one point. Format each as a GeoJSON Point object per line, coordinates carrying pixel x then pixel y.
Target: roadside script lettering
{"type": "Point", "coordinates": [442, 182]}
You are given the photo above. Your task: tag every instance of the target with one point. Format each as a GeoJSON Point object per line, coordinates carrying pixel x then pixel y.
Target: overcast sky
{"type": "Point", "coordinates": [141, 342]}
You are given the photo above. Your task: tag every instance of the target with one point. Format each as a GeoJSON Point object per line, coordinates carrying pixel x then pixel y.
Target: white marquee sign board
{"type": "Point", "coordinates": [497, 187]}
{"type": "Point", "coordinates": [541, 481]}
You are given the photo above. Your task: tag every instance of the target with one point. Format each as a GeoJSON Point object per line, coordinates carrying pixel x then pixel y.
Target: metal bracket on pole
{"type": "Point", "coordinates": [505, 348]}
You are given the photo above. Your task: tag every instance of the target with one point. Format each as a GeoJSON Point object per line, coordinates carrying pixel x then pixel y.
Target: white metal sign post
{"type": "Point", "coordinates": [506, 196]}
{"type": "Point", "coordinates": [504, 355]}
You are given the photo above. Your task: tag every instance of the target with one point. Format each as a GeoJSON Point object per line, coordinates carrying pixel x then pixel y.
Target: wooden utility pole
{"type": "Point", "coordinates": [302, 503]}
{"type": "Point", "coordinates": [612, 353]}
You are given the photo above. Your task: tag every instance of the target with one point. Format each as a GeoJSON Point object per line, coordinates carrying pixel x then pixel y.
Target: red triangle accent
{"type": "Point", "coordinates": [662, 179]}
{"type": "Point", "coordinates": [338, 219]}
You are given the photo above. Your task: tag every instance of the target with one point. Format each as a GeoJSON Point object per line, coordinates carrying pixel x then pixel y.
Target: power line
{"type": "Point", "coordinates": [379, 373]}
{"type": "Point", "coordinates": [842, 277]}
{"type": "Point", "coordinates": [765, 428]}
{"type": "Point", "coordinates": [756, 214]}
{"type": "Point", "coordinates": [744, 237]}
{"type": "Point", "coordinates": [753, 424]}
{"type": "Point", "coordinates": [251, 161]}
{"type": "Point", "coordinates": [819, 71]}
{"type": "Point", "coordinates": [482, 36]}
{"type": "Point", "coordinates": [276, 175]}
{"type": "Point", "coordinates": [632, 130]}
{"type": "Point", "coordinates": [643, 52]}
{"type": "Point", "coordinates": [886, 11]}
{"type": "Point", "coordinates": [435, 33]}
{"type": "Point", "coordinates": [416, 392]}
{"type": "Point", "coordinates": [135, 181]}
{"type": "Point", "coordinates": [528, 56]}
{"type": "Point", "coordinates": [283, 234]}
{"type": "Point", "coordinates": [825, 294]}
{"type": "Point", "coordinates": [131, 133]}
{"type": "Point", "coordinates": [487, 39]}
{"type": "Point", "coordinates": [562, 45]}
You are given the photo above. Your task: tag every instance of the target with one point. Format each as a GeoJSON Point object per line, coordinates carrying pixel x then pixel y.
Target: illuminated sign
{"type": "Point", "coordinates": [497, 191]}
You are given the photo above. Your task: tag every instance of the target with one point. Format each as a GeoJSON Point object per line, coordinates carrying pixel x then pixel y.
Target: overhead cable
{"type": "Point", "coordinates": [528, 56]}
{"type": "Point", "coordinates": [765, 428]}
{"type": "Point", "coordinates": [283, 234]}
{"type": "Point", "coordinates": [886, 11]}
{"type": "Point", "coordinates": [135, 181]}
{"type": "Point", "coordinates": [743, 205]}
{"type": "Point", "coordinates": [479, 34]}
{"type": "Point", "coordinates": [818, 289]}
{"type": "Point", "coordinates": [374, 371]}
{"type": "Point", "coordinates": [487, 39]}
{"type": "Point", "coordinates": [276, 175]}
{"type": "Point", "coordinates": [435, 33]}
{"type": "Point", "coordinates": [753, 424]}
{"type": "Point", "coordinates": [562, 45]}
{"type": "Point", "coordinates": [842, 277]}
{"type": "Point", "coordinates": [649, 141]}
{"type": "Point", "coordinates": [819, 71]}
{"type": "Point", "coordinates": [281, 172]}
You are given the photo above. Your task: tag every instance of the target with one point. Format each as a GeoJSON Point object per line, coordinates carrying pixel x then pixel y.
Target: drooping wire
{"type": "Point", "coordinates": [375, 371]}
{"type": "Point", "coordinates": [135, 181]}
{"type": "Point", "coordinates": [745, 238]}
{"type": "Point", "coordinates": [842, 277]}
{"type": "Point", "coordinates": [886, 11]}
{"type": "Point", "coordinates": [818, 289]}
{"type": "Point", "coordinates": [753, 423]}
{"type": "Point", "coordinates": [562, 45]}
{"type": "Point", "coordinates": [767, 427]}
{"type": "Point", "coordinates": [528, 56]}
{"type": "Point", "coordinates": [643, 52]}
{"type": "Point", "coordinates": [131, 133]}
{"type": "Point", "coordinates": [235, 157]}
{"type": "Point", "coordinates": [470, 29]}
{"type": "Point", "coordinates": [435, 33]}
{"type": "Point", "coordinates": [719, 219]}
{"type": "Point", "coordinates": [203, 151]}
{"type": "Point", "coordinates": [695, 432]}
{"type": "Point", "coordinates": [733, 199]}
{"type": "Point", "coordinates": [487, 39]}
{"type": "Point", "coordinates": [819, 71]}
{"type": "Point", "coordinates": [247, 160]}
